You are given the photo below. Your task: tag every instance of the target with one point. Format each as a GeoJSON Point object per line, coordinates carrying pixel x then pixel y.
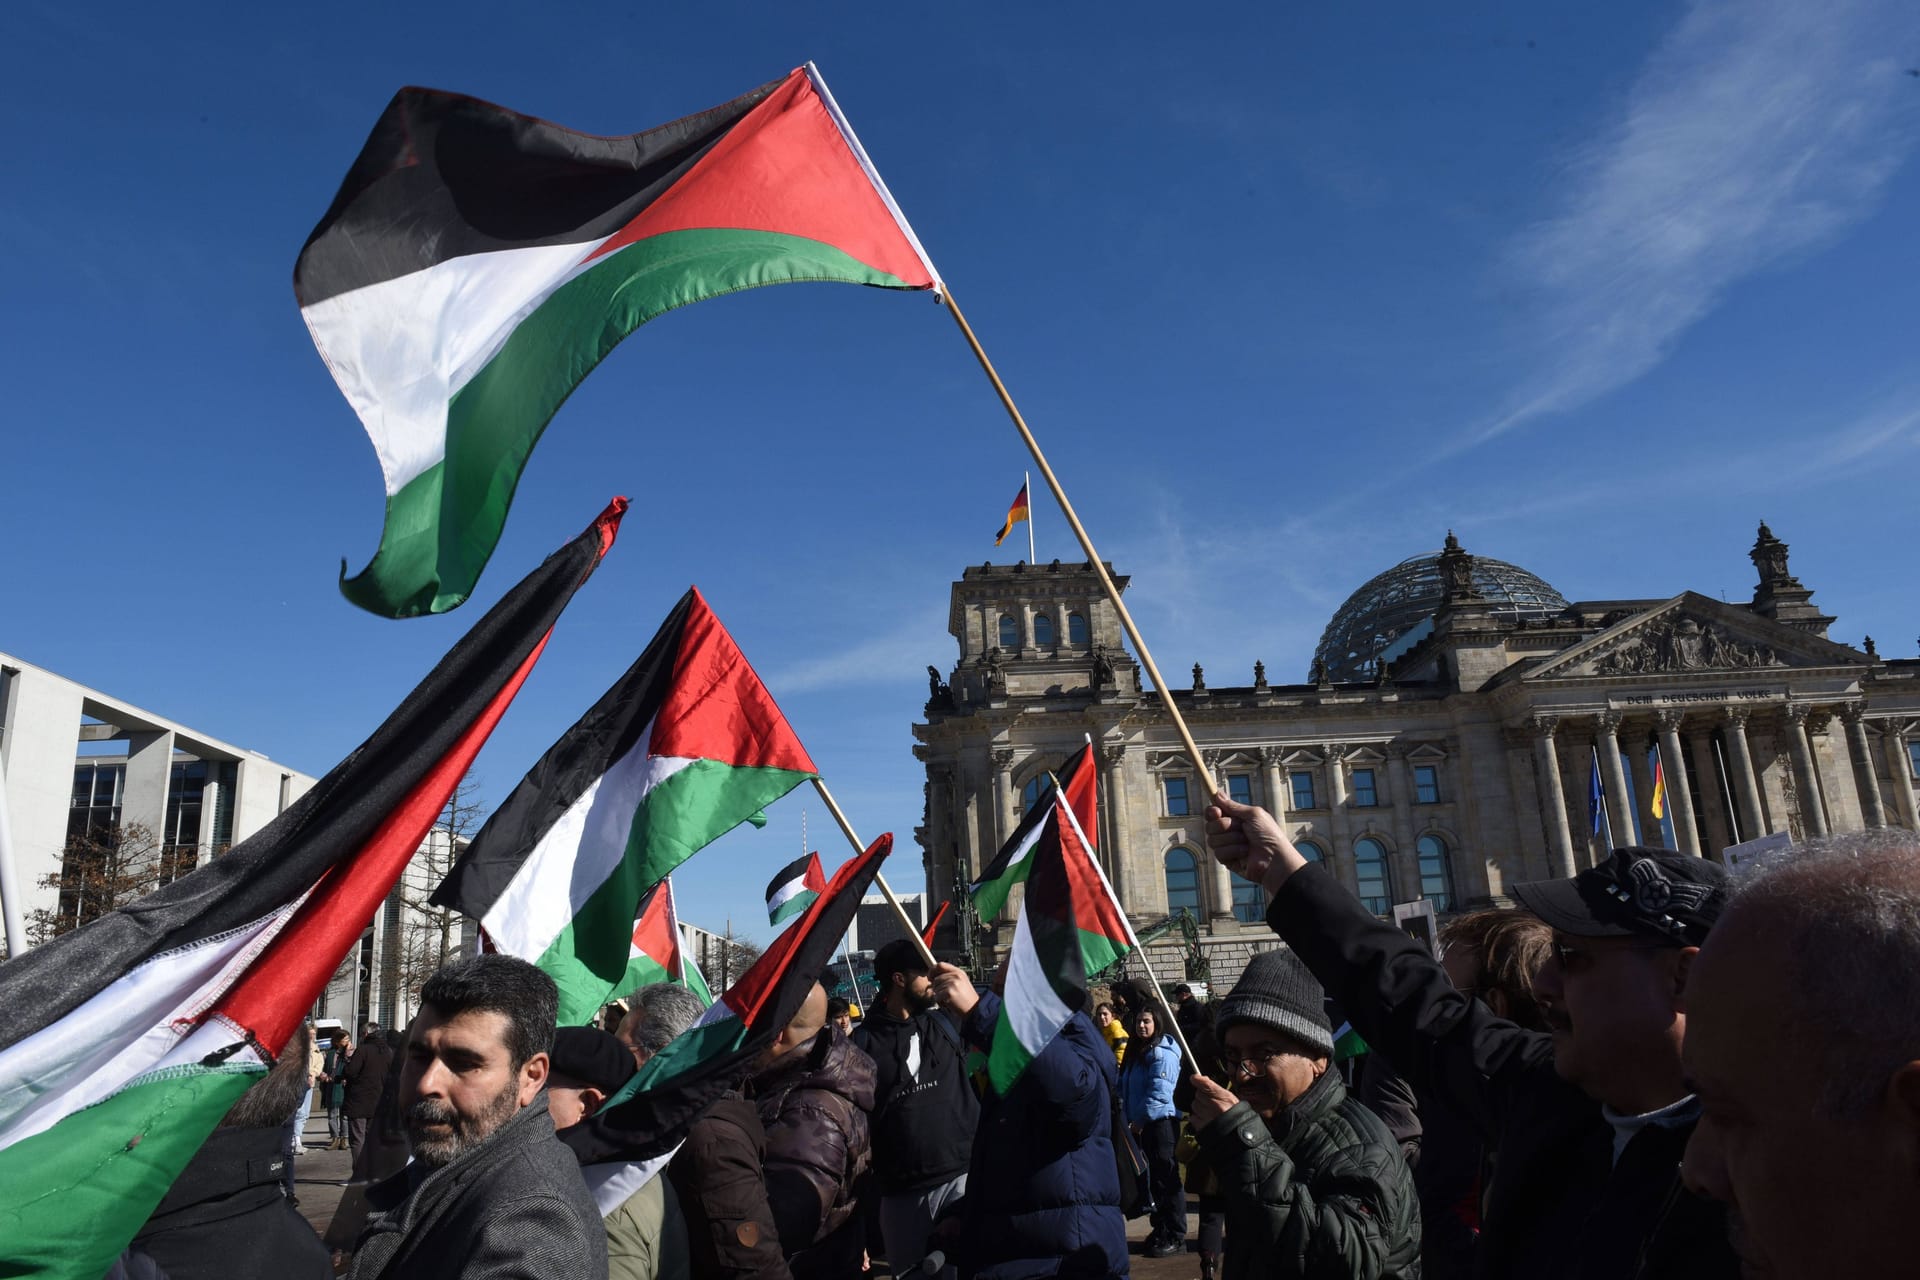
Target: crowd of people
{"type": "Point", "coordinates": [1644, 1071]}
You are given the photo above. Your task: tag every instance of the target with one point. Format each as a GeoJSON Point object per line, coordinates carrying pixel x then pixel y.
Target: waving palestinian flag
{"type": "Point", "coordinates": [658, 953]}
{"type": "Point", "coordinates": [1014, 861]}
{"type": "Point", "coordinates": [123, 1043]}
{"type": "Point", "coordinates": [686, 746]}
{"type": "Point", "coordinates": [478, 263]}
{"type": "Point", "coordinates": [1069, 926]}
{"type": "Point", "coordinates": [794, 887]}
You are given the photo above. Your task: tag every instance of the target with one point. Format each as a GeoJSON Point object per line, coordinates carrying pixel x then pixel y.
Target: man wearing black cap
{"type": "Point", "coordinates": [924, 1111]}
{"type": "Point", "coordinates": [646, 1236]}
{"type": "Point", "coordinates": [1588, 1120]}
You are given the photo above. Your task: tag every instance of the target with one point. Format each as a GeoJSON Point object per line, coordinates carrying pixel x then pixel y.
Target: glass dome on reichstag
{"type": "Point", "coordinates": [1395, 609]}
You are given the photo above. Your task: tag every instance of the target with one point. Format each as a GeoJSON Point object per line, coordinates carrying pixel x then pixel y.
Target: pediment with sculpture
{"type": "Point", "coordinates": [1692, 633]}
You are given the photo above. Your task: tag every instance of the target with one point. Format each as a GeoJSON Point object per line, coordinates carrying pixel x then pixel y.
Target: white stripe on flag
{"type": "Point", "coordinates": [579, 851]}
{"type": "Point", "coordinates": [130, 1028]}
{"type": "Point", "coordinates": [614, 1182]}
{"type": "Point", "coordinates": [402, 348]}
{"type": "Point", "coordinates": [787, 893]}
{"type": "Point", "coordinates": [1036, 1011]}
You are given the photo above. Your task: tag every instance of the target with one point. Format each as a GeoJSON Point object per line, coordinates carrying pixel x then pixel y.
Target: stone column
{"type": "Point", "coordinates": [1813, 811]}
{"type": "Point", "coordinates": [1871, 809]}
{"type": "Point", "coordinates": [1710, 803]}
{"type": "Point", "coordinates": [1222, 906]}
{"type": "Point", "coordinates": [1673, 760]}
{"type": "Point", "coordinates": [143, 797]}
{"type": "Point", "coordinates": [1407, 858]}
{"type": "Point", "coordinates": [1900, 769]}
{"type": "Point", "coordinates": [1620, 828]}
{"type": "Point", "coordinates": [1553, 797]}
{"type": "Point", "coordinates": [1113, 839]}
{"type": "Point", "coordinates": [1746, 787]}
{"type": "Point", "coordinates": [1278, 796]}
{"type": "Point", "coordinates": [1340, 855]}
{"type": "Point", "coordinates": [1003, 818]}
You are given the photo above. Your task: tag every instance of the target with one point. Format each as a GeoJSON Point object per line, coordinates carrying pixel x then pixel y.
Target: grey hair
{"type": "Point", "coordinates": [1846, 910]}
{"type": "Point", "coordinates": [661, 1011]}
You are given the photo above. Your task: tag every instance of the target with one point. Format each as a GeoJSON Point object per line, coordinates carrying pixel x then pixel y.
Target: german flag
{"type": "Point", "coordinates": [1015, 514]}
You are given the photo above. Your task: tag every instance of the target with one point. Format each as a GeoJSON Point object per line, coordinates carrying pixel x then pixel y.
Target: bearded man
{"type": "Point", "coordinates": [491, 1191]}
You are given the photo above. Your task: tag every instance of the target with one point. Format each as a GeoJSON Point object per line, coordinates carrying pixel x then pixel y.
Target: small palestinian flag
{"type": "Point", "coordinates": [1068, 926]}
{"type": "Point", "coordinates": [686, 746]}
{"type": "Point", "coordinates": [1015, 514]}
{"type": "Point", "coordinates": [478, 263]}
{"type": "Point", "coordinates": [650, 1115]}
{"type": "Point", "coordinates": [1347, 1043]}
{"type": "Point", "coordinates": [933, 925]}
{"type": "Point", "coordinates": [1010, 866]}
{"type": "Point", "coordinates": [794, 887]}
{"type": "Point", "coordinates": [123, 1043]}
{"type": "Point", "coordinates": [658, 953]}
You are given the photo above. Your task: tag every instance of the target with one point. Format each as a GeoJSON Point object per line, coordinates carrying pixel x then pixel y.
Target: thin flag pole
{"type": "Point", "coordinates": [1606, 818]}
{"type": "Point", "coordinates": [1026, 487]}
{"type": "Point", "coordinates": [846, 954]}
{"type": "Point", "coordinates": [9, 883]}
{"type": "Point", "coordinates": [1086, 543]}
{"type": "Point", "coordinates": [1125, 923]}
{"type": "Point", "coordinates": [913, 931]}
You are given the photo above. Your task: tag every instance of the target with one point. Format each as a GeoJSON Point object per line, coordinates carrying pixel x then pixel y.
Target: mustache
{"type": "Point", "coordinates": [432, 1111]}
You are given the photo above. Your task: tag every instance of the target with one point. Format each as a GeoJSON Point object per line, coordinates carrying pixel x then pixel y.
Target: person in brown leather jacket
{"type": "Point", "coordinates": [717, 1179]}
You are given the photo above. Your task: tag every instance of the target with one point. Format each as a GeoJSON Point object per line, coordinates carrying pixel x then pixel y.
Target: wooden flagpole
{"type": "Point", "coordinates": [859, 846]}
{"type": "Point", "coordinates": [1086, 543]}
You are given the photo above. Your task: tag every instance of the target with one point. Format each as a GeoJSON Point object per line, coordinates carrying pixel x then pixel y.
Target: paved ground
{"type": "Point", "coordinates": [317, 1176]}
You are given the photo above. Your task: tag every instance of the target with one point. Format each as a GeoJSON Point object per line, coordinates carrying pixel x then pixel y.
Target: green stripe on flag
{"type": "Point", "coordinates": [1097, 950]}
{"type": "Point", "coordinates": [681, 816]}
{"type": "Point", "coordinates": [444, 523]}
{"type": "Point", "coordinates": [72, 1196]}
{"type": "Point", "coordinates": [792, 906]}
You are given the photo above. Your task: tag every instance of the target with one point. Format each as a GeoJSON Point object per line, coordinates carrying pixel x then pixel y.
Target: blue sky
{"type": "Point", "coordinates": [1286, 292]}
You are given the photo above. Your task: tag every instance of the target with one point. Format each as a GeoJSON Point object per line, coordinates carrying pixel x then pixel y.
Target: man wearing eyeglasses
{"type": "Point", "coordinates": [1587, 1120]}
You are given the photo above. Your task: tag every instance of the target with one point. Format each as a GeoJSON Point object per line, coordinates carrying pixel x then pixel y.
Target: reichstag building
{"type": "Point", "coordinates": [1442, 746]}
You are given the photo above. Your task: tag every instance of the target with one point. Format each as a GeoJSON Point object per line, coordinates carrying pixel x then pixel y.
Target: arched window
{"type": "Point", "coordinates": [1042, 631]}
{"type": "Point", "coordinates": [1249, 901]}
{"type": "Point", "coordinates": [1370, 875]}
{"type": "Point", "coordinates": [1311, 851]}
{"type": "Point", "coordinates": [1009, 632]}
{"type": "Point", "coordinates": [1183, 883]}
{"type": "Point", "coordinates": [1077, 632]}
{"type": "Point", "coordinates": [1436, 873]}
{"type": "Point", "coordinates": [1030, 794]}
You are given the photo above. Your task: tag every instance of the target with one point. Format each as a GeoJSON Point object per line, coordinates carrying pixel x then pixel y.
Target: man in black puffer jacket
{"type": "Point", "coordinates": [1314, 1184]}
{"type": "Point", "coordinates": [924, 1108]}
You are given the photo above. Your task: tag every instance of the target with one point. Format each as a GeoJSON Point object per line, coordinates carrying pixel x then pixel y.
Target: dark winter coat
{"type": "Point", "coordinates": [225, 1215]}
{"type": "Point", "coordinates": [814, 1103]}
{"type": "Point", "coordinates": [924, 1107]}
{"type": "Point", "coordinates": [1320, 1192]}
{"type": "Point", "coordinates": [365, 1071]}
{"type": "Point", "coordinates": [1557, 1208]}
{"type": "Point", "coordinates": [716, 1177]}
{"type": "Point", "coordinates": [514, 1206]}
{"type": "Point", "coordinates": [1043, 1189]}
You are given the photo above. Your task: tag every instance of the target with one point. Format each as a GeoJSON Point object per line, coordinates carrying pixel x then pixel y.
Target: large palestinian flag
{"type": "Point", "coordinates": [1011, 865]}
{"type": "Point", "coordinates": [650, 1115]}
{"type": "Point", "coordinates": [123, 1043]}
{"type": "Point", "coordinates": [477, 264]}
{"type": "Point", "coordinates": [1069, 927]}
{"type": "Point", "coordinates": [657, 952]}
{"type": "Point", "coordinates": [686, 746]}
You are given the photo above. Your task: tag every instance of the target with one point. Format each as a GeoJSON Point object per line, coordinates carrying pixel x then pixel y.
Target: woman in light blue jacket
{"type": "Point", "coordinates": [1147, 1078]}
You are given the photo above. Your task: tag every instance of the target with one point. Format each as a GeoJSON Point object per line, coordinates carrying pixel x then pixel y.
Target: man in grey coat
{"type": "Point", "coordinates": [491, 1193]}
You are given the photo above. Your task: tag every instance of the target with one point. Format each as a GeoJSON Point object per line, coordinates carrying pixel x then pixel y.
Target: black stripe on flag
{"type": "Point", "coordinates": [1041, 812]}
{"type": "Point", "coordinates": [610, 728]}
{"type": "Point", "coordinates": [443, 176]}
{"type": "Point", "coordinates": [786, 875]}
{"type": "Point", "coordinates": [325, 827]}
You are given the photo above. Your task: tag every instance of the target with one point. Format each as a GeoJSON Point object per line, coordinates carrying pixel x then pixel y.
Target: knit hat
{"type": "Point", "coordinates": [1278, 991]}
{"type": "Point", "coordinates": [592, 1057]}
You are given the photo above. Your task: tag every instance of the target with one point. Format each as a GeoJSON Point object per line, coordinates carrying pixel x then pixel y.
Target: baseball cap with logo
{"type": "Point", "coordinates": [1636, 891]}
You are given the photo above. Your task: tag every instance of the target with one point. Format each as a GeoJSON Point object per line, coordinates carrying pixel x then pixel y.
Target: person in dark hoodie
{"type": "Point", "coordinates": [365, 1072]}
{"type": "Point", "coordinates": [1587, 1121]}
{"type": "Point", "coordinates": [226, 1215]}
{"type": "Point", "coordinates": [813, 1089]}
{"type": "Point", "coordinates": [924, 1107]}
{"type": "Point", "coordinates": [1043, 1189]}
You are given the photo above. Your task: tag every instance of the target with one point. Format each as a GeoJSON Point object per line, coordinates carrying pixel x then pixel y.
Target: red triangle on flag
{"type": "Point", "coordinates": [717, 708]}
{"type": "Point", "coordinates": [760, 985]}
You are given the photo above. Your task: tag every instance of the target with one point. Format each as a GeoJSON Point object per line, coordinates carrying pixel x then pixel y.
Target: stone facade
{"type": "Point", "coordinates": [1459, 765]}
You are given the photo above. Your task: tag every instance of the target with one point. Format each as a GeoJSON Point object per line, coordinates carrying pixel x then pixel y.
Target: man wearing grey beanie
{"type": "Point", "coordinates": [1314, 1184]}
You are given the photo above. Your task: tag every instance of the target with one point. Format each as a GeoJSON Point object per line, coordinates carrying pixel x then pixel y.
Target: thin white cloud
{"type": "Point", "coordinates": [898, 656]}
{"type": "Point", "coordinates": [1758, 130]}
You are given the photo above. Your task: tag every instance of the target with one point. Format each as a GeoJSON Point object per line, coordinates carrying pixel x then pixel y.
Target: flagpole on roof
{"type": "Point", "coordinates": [913, 931]}
{"type": "Point", "coordinates": [1026, 487]}
{"type": "Point", "coordinates": [1086, 543]}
